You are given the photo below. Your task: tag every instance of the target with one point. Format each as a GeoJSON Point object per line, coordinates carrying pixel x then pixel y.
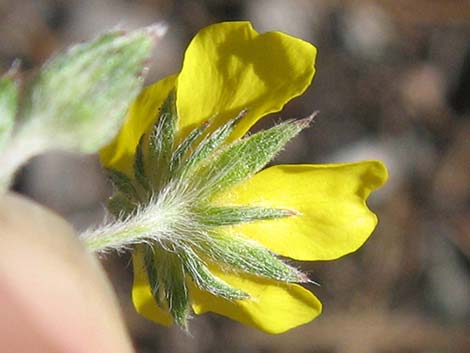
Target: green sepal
{"type": "Point", "coordinates": [152, 275]}
{"type": "Point", "coordinates": [161, 142]}
{"type": "Point", "coordinates": [244, 158]}
{"type": "Point", "coordinates": [248, 256]}
{"type": "Point", "coordinates": [122, 183]}
{"type": "Point", "coordinates": [205, 280]}
{"type": "Point", "coordinates": [225, 216]}
{"type": "Point", "coordinates": [169, 283]}
{"type": "Point", "coordinates": [120, 206]}
{"type": "Point", "coordinates": [139, 166]}
{"type": "Point", "coordinates": [184, 147]}
{"type": "Point", "coordinates": [209, 144]}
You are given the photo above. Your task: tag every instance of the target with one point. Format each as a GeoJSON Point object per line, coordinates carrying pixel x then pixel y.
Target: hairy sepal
{"type": "Point", "coordinates": [234, 252]}
{"type": "Point", "coordinates": [167, 278]}
{"type": "Point", "coordinates": [208, 145]}
{"type": "Point", "coordinates": [161, 143]}
{"type": "Point", "coordinates": [122, 183]}
{"type": "Point", "coordinates": [243, 158]}
{"type": "Point", "coordinates": [225, 216]}
{"type": "Point", "coordinates": [204, 279]}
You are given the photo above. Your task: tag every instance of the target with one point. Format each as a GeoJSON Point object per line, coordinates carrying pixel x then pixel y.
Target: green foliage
{"type": "Point", "coordinates": [161, 142]}
{"type": "Point", "coordinates": [78, 99]}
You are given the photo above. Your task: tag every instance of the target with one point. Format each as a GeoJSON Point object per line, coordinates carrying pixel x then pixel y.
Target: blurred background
{"type": "Point", "coordinates": [392, 83]}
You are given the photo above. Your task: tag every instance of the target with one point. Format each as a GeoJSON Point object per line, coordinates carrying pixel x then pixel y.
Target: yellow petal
{"type": "Point", "coordinates": [142, 296]}
{"type": "Point", "coordinates": [274, 306]}
{"type": "Point", "coordinates": [142, 114]}
{"type": "Point", "coordinates": [229, 67]}
{"type": "Point", "coordinates": [334, 219]}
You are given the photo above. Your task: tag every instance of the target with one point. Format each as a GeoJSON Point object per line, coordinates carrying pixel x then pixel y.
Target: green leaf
{"type": "Point", "coordinates": [161, 142]}
{"type": "Point", "coordinates": [8, 107]}
{"type": "Point", "coordinates": [78, 99]}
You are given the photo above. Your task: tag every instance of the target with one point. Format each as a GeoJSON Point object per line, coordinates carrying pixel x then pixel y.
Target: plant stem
{"type": "Point", "coordinates": [116, 236]}
{"type": "Point", "coordinates": [147, 224]}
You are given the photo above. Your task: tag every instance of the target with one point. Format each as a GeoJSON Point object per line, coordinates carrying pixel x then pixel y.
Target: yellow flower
{"type": "Point", "coordinates": [227, 68]}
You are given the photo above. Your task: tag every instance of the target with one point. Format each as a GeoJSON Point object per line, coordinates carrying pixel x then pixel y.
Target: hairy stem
{"type": "Point", "coordinates": [149, 224]}
{"type": "Point", "coordinates": [116, 236]}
